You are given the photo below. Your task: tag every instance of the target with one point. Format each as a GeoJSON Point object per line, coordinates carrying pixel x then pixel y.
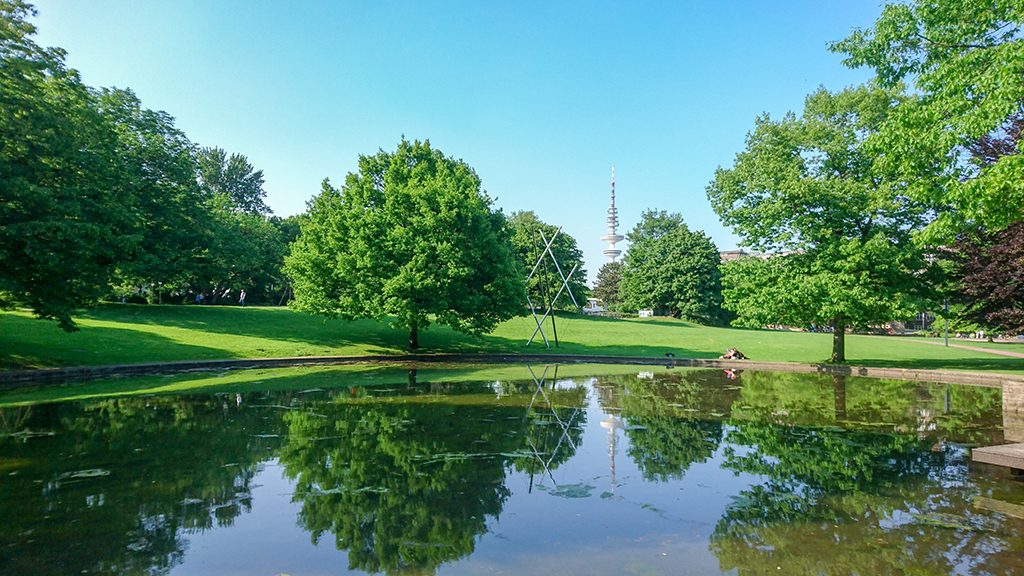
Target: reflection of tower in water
{"type": "Point", "coordinates": [609, 398]}
{"type": "Point", "coordinates": [613, 424]}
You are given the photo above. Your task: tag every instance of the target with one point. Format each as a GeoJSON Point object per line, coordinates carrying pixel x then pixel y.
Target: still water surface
{"type": "Point", "coordinates": [665, 472]}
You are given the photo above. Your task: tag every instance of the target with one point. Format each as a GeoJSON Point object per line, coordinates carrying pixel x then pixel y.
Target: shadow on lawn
{"type": "Point", "coordinates": [284, 325]}
{"type": "Point", "coordinates": [281, 324]}
{"type": "Point", "coordinates": [31, 348]}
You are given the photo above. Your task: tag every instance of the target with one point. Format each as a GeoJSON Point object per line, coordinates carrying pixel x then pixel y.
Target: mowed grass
{"type": "Point", "coordinates": [128, 334]}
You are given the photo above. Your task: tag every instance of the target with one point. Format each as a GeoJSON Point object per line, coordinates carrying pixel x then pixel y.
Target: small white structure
{"type": "Point", "coordinates": [594, 307]}
{"type": "Point", "coordinates": [646, 313]}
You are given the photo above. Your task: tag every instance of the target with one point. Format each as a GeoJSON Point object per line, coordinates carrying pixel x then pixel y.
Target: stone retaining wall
{"type": "Point", "coordinates": [20, 378]}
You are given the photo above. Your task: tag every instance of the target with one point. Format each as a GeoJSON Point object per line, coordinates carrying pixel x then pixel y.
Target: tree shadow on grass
{"type": "Point", "coordinates": [280, 324]}
{"type": "Point", "coordinates": [50, 348]}
{"type": "Point", "coordinates": [285, 325]}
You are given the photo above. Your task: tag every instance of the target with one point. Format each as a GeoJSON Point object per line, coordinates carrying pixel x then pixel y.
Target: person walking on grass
{"type": "Point", "coordinates": [241, 298]}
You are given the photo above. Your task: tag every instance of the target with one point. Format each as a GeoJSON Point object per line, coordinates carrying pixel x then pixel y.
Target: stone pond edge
{"type": "Point", "coordinates": [20, 378]}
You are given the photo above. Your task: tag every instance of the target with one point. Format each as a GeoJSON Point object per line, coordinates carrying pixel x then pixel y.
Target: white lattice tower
{"type": "Point", "coordinates": [612, 237]}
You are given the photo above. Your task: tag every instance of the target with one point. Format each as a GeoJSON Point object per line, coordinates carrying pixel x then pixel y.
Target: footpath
{"type": "Point", "coordinates": [976, 349]}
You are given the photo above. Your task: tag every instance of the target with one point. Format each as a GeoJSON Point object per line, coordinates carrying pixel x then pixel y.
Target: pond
{"type": "Point", "coordinates": [515, 470]}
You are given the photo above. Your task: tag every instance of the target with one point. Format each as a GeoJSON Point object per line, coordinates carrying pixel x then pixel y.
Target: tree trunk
{"type": "Point", "coordinates": [411, 378]}
{"type": "Point", "coordinates": [839, 396]}
{"type": "Point", "coordinates": [838, 340]}
{"type": "Point", "coordinates": [414, 337]}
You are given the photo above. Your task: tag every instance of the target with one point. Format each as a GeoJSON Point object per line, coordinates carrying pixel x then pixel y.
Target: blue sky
{"type": "Point", "coordinates": [541, 98]}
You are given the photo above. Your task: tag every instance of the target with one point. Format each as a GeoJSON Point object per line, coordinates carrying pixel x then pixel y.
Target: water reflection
{"type": "Point", "coordinates": [408, 481]}
{"type": "Point", "coordinates": [751, 472]}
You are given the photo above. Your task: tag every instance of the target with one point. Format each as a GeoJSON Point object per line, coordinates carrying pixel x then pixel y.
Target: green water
{"type": "Point", "coordinates": [661, 472]}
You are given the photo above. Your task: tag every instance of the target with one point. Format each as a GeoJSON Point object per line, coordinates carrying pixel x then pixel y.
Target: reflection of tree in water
{"type": "Point", "coordinates": [406, 484]}
{"type": "Point", "coordinates": [112, 486]}
{"type": "Point", "coordinates": [876, 493]}
{"type": "Point", "coordinates": [672, 420]}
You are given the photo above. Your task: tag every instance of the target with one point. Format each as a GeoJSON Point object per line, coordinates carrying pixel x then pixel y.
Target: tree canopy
{"type": "Point", "coordinates": [234, 177]}
{"type": "Point", "coordinates": [61, 224]}
{"type": "Point", "coordinates": [670, 267]}
{"type": "Point", "coordinates": [808, 189]}
{"type": "Point", "coordinates": [989, 271]}
{"type": "Point", "coordinates": [964, 58]}
{"type": "Point", "coordinates": [102, 196]}
{"type": "Point", "coordinates": [412, 238]}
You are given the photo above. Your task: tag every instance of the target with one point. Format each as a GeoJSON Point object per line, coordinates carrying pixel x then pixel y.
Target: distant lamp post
{"type": "Point", "coordinates": [945, 314]}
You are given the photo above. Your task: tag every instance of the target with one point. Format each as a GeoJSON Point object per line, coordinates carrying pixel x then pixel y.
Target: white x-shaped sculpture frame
{"type": "Point", "coordinates": [564, 288]}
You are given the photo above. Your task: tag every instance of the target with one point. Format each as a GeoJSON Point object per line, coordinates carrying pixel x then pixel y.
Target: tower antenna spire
{"type": "Point", "coordinates": [613, 236]}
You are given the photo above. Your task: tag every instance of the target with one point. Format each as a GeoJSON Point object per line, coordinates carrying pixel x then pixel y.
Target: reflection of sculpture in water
{"type": "Point", "coordinates": [553, 430]}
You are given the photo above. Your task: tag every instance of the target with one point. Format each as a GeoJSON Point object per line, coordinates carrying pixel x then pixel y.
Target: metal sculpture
{"type": "Point", "coordinates": [546, 252]}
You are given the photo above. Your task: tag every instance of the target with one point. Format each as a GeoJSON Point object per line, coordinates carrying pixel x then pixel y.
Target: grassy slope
{"type": "Point", "coordinates": [114, 334]}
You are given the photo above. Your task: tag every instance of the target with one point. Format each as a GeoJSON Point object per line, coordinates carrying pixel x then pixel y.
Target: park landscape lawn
{"type": "Point", "coordinates": [126, 333]}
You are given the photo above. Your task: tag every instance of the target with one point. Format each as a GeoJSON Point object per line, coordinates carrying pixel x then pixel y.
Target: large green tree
{"type": "Point", "coordinates": [670, 267]}
{"type": "Point", "coordinates": [989, 272]}
{"type": "Point", "coordinates": [61, 225]}
{"type": "Point", "coordinates": [412, 238]}
{"type": "Point", "coordinates": [158, 188]}
{"type": "Point", "coordinates": [609, 279]}
{"type": "Point", "coordinates": [965, 59]}
{"type": "Point", "coordinates": [244, 247]}
{"type": "Point", "coordinates": [807, 187]}
{"type": "Point", "coordinates": [526, 239]}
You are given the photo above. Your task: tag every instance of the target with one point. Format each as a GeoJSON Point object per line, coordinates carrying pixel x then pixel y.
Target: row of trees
{"type": "Point", "coordinates": [886, 201]}
{"type": "Point", "coordinates": [103, 197]}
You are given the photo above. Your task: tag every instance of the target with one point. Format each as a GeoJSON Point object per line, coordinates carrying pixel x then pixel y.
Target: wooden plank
{"type": "Point", "coordinates": [1013, 411]}
{"type": "Point", "coordinates": [1008, 508]}
{"type": "Point", "coordinates": [1009, 455]}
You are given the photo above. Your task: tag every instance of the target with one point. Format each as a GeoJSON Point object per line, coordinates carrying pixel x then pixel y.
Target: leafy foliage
{"type": "Point", "coordinates": [670, 267]}
{"type": "Point", "coordinates": [964, 58]}
{"type": "Point", "coordinates": [158, 188]}
{"type": "Point", "coordinates": [409, 237]}
{"type": "Point", "coordinates": [609, 283]}
{"type": "Point", "coordinates": [810, 186]}
{"type": "Point", "coordinates": [102, 196]}
{"type": "Point", "coordinates": [990, 271]}
{"type": "Point", "coordinates": [234, 177]}
{"type": "Point", "coordinates": [61, 223]}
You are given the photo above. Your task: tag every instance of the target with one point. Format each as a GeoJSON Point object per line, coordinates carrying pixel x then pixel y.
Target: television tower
{"type": "Point", "coordinates": [612, 237]}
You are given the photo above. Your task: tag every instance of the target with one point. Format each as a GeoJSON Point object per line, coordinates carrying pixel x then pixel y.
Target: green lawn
{"type": "Point", "coordinates": [116, 334]}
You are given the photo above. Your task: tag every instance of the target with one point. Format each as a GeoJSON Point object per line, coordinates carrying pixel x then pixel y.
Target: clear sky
{"type": "Point", "coordinates": [541, 98]}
